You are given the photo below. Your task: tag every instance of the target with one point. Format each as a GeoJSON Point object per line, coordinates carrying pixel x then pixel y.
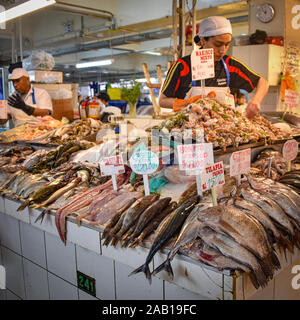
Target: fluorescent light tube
{"type": "Point", "coordinates": [153, 53]}
{"type": "Point", "coordinates": [24, 8]}
{"type": "Point", "coordinates": [93, 64]}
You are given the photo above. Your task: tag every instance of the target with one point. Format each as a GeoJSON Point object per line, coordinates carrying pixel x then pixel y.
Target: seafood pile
{"type": "Point", "coordinates": [77, 130]}
{"type": "Point", "coordinates": [30, 131]}
{"type": "Point", "coordinates": [220, 125]}
{"type": "Point", "coordinates": [271, 163]}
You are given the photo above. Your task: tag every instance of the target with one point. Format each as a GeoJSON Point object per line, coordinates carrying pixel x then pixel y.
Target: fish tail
{"type": "Point", "coordinates": [115, 241]}
{"type": "Point", "coordinates": [143, 268]}
{"type": "Point", "coordinates": [134, 244]}
{"type": "Point", "coordinates": [275, 261]}
{"type": "Point", "coordinates": [107, 240]}
{"type": "Point", "coordinates": [41, 216]}
{"type": "Point", "coordinates": [260, 277]}
{"type": "Point", "coordinates": [166, 265]}
{"type": "Point", "coordinates": [126, 243]}
{"type": "Point", "coordinates": [253, 279]}
{"type": "Point", "coordinates": [286, 243]}
{"type": "Point", "coordinates": [267, 268]}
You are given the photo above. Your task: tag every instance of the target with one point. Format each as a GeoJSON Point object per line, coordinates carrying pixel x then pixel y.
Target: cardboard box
{"type": "Point", "coordinates": [63, 108]}
{"type": "Point", "coordinates": [46, 76]}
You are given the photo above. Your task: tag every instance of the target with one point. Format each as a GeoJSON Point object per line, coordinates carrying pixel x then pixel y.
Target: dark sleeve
{"type": "Point", "coordinates": [171, 87]}
{"type": "Point", "coordinates": [241, 76]}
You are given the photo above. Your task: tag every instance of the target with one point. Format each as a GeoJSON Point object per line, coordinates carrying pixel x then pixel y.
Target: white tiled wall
{"type": "Point", "coordinates": [11, 296]}
{"type": "Point", "coordinates": [173, 292]}
{"type": "Point", "coordinates": [10, 233]}
{"type": "Point", "coordinates": [48, 223]}
{"type": "Point", "coordinates": [99, 268]}
{"type": "Point", "coordinates": [36, 281]}
{"type": "Point", "coordinates": [14, 272]}
{"type": "Point", "coordinates": [60, 289]}
{"type": "Point", "coordinates": [33, 244]}
{"type": "Point", "coordinates": [136, 287]}
{"type": "Point", "coordinates": [61, 258]}
{"type": "Point", "coordinates": [2, 204]}
{"type": "Point", "coordinates": [11, 207]}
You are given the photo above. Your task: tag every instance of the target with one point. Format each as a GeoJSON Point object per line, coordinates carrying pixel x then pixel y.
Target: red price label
{"type": "Point", "coordinates": [290, 150]}
{"type": "Point", "coordinates": [240, 162]}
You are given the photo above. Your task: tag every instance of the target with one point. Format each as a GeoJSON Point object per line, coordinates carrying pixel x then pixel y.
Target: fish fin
{"type": "Point", "coordinates": [41, 216]}
{"type": "Point", "coordinates": [143, 268]}
{"type": "Point", "coordinates": [166, 265]}
{"type": "Point", "coordinates": [107, 240]}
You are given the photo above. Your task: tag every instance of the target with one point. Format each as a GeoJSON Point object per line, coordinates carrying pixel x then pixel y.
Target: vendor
{"type": "Point", "coordinates": [214, 32]}
{"type": "Point", "coordinates": [26, 102]}
{"type": "Point", "coordinates": [104, 98]}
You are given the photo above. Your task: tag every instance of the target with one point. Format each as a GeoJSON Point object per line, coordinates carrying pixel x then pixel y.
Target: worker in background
{"type": "Point", "coordinates": [214, 32]}
{"type": "Point", "coordinates": [104, 98]}
{"type": "Point", "coordinates": [26, 102]}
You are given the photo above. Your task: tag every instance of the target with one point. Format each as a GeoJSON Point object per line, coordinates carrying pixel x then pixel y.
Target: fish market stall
{"type": "Point", "coordinates": [70, 234]}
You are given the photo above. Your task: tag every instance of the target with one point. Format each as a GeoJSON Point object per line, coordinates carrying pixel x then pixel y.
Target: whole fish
{"type": "Point", "coordinates": [200, 251]}
{"type": "Point", "coordinates": [154, 224]}
{"type": "Point", "coordinates": [191, 191]}
{"type": "Point", "coordinates": [230, 248]}
{"type": "Point", "coordinates": [270, 207]}
{"type": "Point", "coordinates": [43, 192]}
{"type": "Point", "coordinates": [280, 196]}
{"type": "Point", "coordinates": [187, 234]}
{"type": "Point", "coordinates": [167, 228]}
{"type": "Point", "coordinates": [114, 219]}
{"type": "Point", "coordinates": [32, 188]}
{"type": "Point", "coordinates": [245, 230]}
{"type": "Point", "coordinates": [133, 214]}
{"type": "Point", "coordinates": [146, 217]}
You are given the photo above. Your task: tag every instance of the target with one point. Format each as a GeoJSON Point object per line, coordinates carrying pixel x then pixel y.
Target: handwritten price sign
{"type": "Point", "coordinates": [212, 176]}
{"type": "Point", "coordinates": [112, 165]}
{"type": "Point", "coordinates": [290, 150]}
{"type": "Point", "coordinates": [240, 162]}
{"type": "Point", "coordinates": [291, 98]}
{"type": "Point", "coordinates": [144, 162]}
{"type": "Point", "coordinates": [194, 157]}
{"type": "Point", "coordinates": [202, 62]}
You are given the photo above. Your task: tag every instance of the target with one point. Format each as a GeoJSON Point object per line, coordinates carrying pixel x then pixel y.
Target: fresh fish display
{"type": "Point", "coordinates": [167, 228]}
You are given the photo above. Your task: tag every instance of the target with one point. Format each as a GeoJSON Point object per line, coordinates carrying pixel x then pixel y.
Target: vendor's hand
{"type": "Point", "coordinates": [252, 109]}
{"type": "Point", "coordinates": [17, 102]}
{"type": "Point", "coordinates": [180, 104]}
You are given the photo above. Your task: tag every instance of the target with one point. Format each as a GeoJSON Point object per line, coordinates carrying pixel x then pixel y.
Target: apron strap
{"type": "Point", "coordinates": [227, 72]}
{"type": "Point", "coordinates": [33, 97]}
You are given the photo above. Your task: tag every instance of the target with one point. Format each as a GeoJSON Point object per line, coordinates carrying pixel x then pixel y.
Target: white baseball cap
{"type": "Point", "coordinates": [18, 73]}
{"type": "Point", "coordinates": [214, 26]}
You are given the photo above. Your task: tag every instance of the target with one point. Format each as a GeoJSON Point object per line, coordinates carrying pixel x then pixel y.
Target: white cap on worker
{"type": "Point", "coordinates": [18, 73]}
{"type": "Point", "coordinates": [214, 26]}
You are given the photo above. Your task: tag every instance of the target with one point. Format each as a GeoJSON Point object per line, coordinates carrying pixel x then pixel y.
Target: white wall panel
{"type": "Point", "coordinates": [33, 244]}
{"type": "Point", "coordinates": [10, 233]}
{"type": "Point", "coordinates": [36, 281]}
{"type": "Point", "coordinates": [14, 272]}
{"type": "Point", "coordinates": [60, 289]}
{"type": "Point", "coordinates": [61, 258]}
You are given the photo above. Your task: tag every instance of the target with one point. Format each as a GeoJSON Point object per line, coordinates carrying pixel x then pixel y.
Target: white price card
{"type": "Point", "coordinates": [3, 109]}
{"type": "Point", "coordinates": [240, 162]}
{"type": "Point", "coordinates": [291, 99]}
{"type": "Point", "coordinates": [212, 176]}
{"type": "Point", "coordinates": [202, 63]}
{"type": "Point", "coordinates": [144, 162]}
{"type": "Point", "coordinates": [112, 165]}
{"type": "Point", "coordinates": [290, 150]}
{"type": "Point", "coordinates": [195, 157]}
{"type": "Point", "coordinates": [229, 100]}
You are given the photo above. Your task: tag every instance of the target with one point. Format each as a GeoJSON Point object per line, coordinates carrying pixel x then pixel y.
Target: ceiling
{"type": "Point", "coordinates": [75, 31]}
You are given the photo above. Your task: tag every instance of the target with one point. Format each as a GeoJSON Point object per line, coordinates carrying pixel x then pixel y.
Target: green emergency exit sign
{"type": "Point", "coordinates": [86, 283]}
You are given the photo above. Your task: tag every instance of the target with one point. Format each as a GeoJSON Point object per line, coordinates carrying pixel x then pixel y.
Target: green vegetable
{"type": "Point", "coordinates": [132, 94]}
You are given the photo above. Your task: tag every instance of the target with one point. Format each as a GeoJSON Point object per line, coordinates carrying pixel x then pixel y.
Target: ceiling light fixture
{"type": "Point", "coordinates": [94, 64]}
{"type": "Point", "coordinates": [24, 8]}
{"type": "Point", "coordinates": [153, 53]}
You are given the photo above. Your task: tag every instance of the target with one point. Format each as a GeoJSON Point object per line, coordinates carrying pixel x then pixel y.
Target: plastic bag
{"type": "Point", "coordinates": [39, 60]}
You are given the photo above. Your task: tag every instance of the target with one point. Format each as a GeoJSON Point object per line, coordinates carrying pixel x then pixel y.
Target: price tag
{"type": "Point", "coordinates": [111, 166]}
{"type": "Point", "coordinates": [144, 162]}
{"type": "Point", "coordinates": [3, 109]}
{"type": "Point", "coordinates": [291, 99]}
{"type": "Point", "coordinates": [290, 150]}
{"type": "Point", "coordinates": [86, 283]}
{"type": "Point", "coordinates": [195, 157]}
{"type": "Point", "coordinates": [212, 176]}
{"type": "Point", "coordinates": [229, 100]}
{"type": "Point", "coordinates": [240, 162]}
{"type": "Point", "coordinates": [202, 62]}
